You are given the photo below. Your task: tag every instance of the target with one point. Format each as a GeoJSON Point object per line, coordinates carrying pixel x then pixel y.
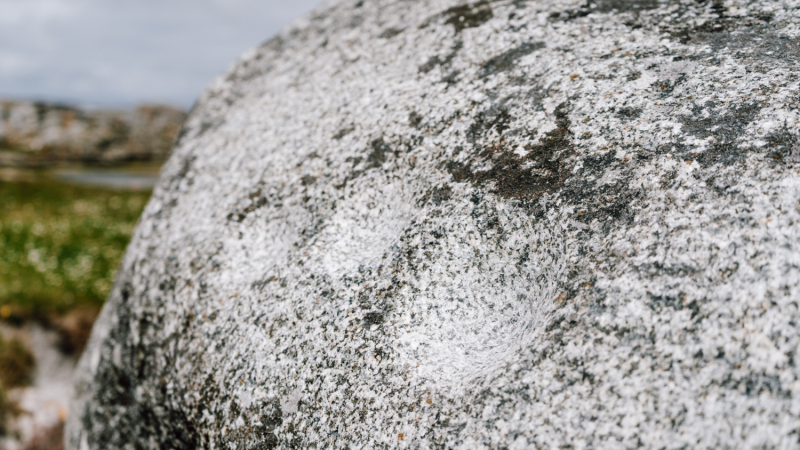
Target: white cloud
{"type": "Point", "coordinates": [21, 13]}
{"type": "Point", "coordinates": [108, 52]}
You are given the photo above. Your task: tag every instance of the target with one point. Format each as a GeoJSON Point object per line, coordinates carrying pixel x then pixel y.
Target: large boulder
{"type": "Point", "coordinates": [505, 224]}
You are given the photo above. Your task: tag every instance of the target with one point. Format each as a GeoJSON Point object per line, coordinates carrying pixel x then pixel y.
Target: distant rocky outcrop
{"type": "Point", "coordinates": [34, 134]}
{"type": "Point", "coordinates": [500, 224]}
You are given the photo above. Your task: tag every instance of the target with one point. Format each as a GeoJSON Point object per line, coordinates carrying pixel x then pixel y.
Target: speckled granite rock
{"type": "Point", "coordinates": [493, 225]}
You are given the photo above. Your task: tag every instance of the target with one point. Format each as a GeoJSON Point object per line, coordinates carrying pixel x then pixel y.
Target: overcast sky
{"type": "Point", "coordinates": [118, 53]}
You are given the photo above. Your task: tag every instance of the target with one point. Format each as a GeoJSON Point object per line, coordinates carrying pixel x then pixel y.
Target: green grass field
{"type": "Point", "coordinates": [60, 244]}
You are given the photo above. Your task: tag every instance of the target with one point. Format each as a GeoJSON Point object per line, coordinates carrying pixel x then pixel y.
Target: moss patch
{"type": "Point", "coordinates": [16, 370]}
{"type": "Point", "coordinates": [16, 363]}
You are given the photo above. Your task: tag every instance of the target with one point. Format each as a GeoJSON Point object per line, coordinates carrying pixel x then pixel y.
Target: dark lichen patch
{"type": "Point", "coordinates": [254, 201]}
{"type": "Point", "coordinates": [373, 318]}
{"type": "Point", "coordinates": [677, 302]}
{"type": "Point", "coordinates": [782, 145]}
{"type": "Point", "coordinates": [379, 153]}
{"type": "Point", "coordinates": [609, 204]}
{"type": "Point", "coordinates": [727, 126]}
{"type": "Point", "coordinates": [719, 23]}
{"type": "Point", "coordinates": [633, 76]}
{"type": "Point", "coordinates": [261, 284]}
{"type": "Point", "coordinates": [377, 156]}
{"type": "Point", "coordinates": [414, 119]}
{"type": "Point", "coordinates": [343, 132]}
{"type": "Point", "coordinates": [724, 127]}
{"type": "Point", "coordinates": [722, 30]}
{"type": "Point", "coordinates": [492, 120]}
{"type": "Point", "coordinates": [452, 77]}
{"type": "Point", "coordinates": [605, 6]}
{"type": "Point", "coordinates": [506, 60]}
{"type": "Point", "coordinates": [116, 384]}
{"type": "Point", "coordinates": [432, 62]}
{"type": "Point", "coordinates": [259, 423]}
{"type": "Point", "coordinates": [757, 43]}
{"type": "Point", "coordinates": [667, 87]}
{"type": "Point", "coordinates": [468, 16]}
{"type": "Point", "coordinates": [390, 33]}
{"type": "Point", "coordinates": [271, 414]}
{"type": "Point", "coordinates": [270, 442]}
{"type": "Point", "coordinates": [437, 196]}
{"type": "Point", "coordinates": [542, 170]}
{"type": "Point", "coordinates": [628, 112]}
{"type": "Point", "coordinates": [435, 60]}
{"type": "Point", "coordinates": [756, 384]}
{"type": "Point", "coordinates": [184, 173]}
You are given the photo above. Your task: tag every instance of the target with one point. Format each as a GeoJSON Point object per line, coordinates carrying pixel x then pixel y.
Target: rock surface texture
{"type": "Point", "coordinates": [43, 134]}
{"type": "Point", "coordinates": [510, 224]}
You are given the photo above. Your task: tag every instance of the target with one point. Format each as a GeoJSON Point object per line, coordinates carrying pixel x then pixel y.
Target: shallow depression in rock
{"type": "Point", "coordinates": [461, 323]}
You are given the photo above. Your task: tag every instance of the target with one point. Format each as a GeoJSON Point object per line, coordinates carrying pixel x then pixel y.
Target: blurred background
{"type": "Point", "coordinates": [92, 94]}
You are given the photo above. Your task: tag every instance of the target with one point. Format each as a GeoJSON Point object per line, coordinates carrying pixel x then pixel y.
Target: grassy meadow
{"type": "Point", "coordinates": [60, 245]}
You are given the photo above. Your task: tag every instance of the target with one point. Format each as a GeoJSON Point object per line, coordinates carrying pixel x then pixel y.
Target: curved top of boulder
{"type": "Point", "coordinates": [502, 224]}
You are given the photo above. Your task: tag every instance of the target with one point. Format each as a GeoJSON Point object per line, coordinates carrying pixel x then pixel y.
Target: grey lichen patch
{"type": "Point", "coordinates": [722, 127]}
{"type": "Point", "coordinates": [549, 224]}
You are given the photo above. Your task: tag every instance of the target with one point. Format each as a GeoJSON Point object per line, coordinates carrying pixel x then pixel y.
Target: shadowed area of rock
{"type": "Point", "coordinates": [471, 225]}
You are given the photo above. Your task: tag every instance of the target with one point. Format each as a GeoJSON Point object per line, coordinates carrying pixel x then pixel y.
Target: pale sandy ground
{"type": "Point", "coordinates": [45, 402]}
